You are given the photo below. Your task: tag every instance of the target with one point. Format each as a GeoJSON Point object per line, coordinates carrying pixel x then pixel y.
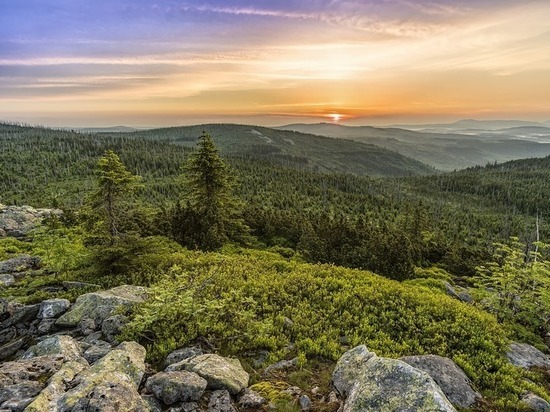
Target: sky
{"type": "Point", "coordinates": [147, 63]}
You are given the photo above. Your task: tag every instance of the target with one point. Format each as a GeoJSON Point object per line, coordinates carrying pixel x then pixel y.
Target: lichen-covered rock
{"type": "Point", "coordinates": [112, 327]}
{"type": "Point", "coordinates": [56, 345]}
{"type": "Point", "coordinates": [17, 221]}
{"type": "Point", "coordinates": [22, 380]}
{"type": "Point", "coordinates": [8, 350]}
{"type": "Point", "coordinates": [152, 403]}
{"type": "Point", "coordinates": [19, 264]}
{"type": "Point", "coordinates": [57, 386]}
{"type": "Point", "coordinates": [345, 373]}
{"type": "Point", "coordinates": [449, 377]}
{"type": "Point", "coordinates": [19, 314]}
{"type": "Point", "coordinates": [123, 367]}
{"type": "Point", "coordinates": [535, 403]}
{"type": "Point", "coordinates": [184, 353]}
{"type": "Point", "coordinates": [527, 356]}
{"type": "Point", "coordinates": [101, 305]}
{"type": "Point", "coordinates": [251, 400]}
{"type": "Point", "coordinates": [370, 383]}
{"type": "Point", "coordinates": [219, 372]}
{"type": "Point", "coordinates": [112, 396]}
{"type": "Point", "coordinates": [220, 401]}
{"type": "Point", "coordinates": [46, 326]}
{"type": "Point", "coordinates": [53, 308]}
{"type": "Point", "coordinates": [97, 351]}
{"type": "Point", "coordinates": [6, 279]}
{"type": "Point", "coordinates": [177, 386]}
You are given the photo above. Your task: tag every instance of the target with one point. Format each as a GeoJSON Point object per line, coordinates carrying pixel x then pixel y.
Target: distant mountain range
{"type": "Point", "coordinates": [448, 150]}
{"type": "Point", "coordinates": [471, 124]}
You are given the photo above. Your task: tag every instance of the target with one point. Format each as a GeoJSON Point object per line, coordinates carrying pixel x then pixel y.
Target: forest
{"type": "Point", "coordinates": [242, 227]}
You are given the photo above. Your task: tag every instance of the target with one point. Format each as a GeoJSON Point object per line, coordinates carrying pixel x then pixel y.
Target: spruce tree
{"type": "Point", "coordinates": [215, 210]}
{"type": "Point", "coordinates": [114, 183]}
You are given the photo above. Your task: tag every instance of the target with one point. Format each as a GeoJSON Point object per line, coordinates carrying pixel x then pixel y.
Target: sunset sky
{"type": "Point", "coordinates": [161, 63]}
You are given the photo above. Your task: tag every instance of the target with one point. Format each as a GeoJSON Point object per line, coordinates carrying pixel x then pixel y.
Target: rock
{"type": "Point", "coordinates": [152, 403]}
{"type": "Point", "coordinates": [96, 352]}
{"type": "Point", "coordinates": [465, 297]}
{"type": "Point", "coordinates": [22, 263]}
{"type": "Point", "coordinates": [347, 368]}
{"type": "Point", "coordinates": [21, 314]}
{"type": "Point", "coordinates": [536, 403]}
{"type": "Point", "coordinates": [371, 383]}
{"type": "Point", "coordinates": [112, 327]}
{"type": "Point", "coordinates": [281, 365]}
{"type": "Point", "coordinates": [23, 380]}
{"type": "Point", "coordinates": [57, 385]}
{"type": "Point", "coordinates": [251, 400]}
{"type": "Point", "coordinates": [305, 402]}
{"type": "Point", "coordinates": [101, 305]}
{"type": "Point", "coordinates": [46, 326]}
{"type": "Point", "coordinates": [450, 290]}
{"type": "Point", "coordinates": [56, 345]}
{"type": "Point", "coordinates": [17, 397]}
{"type": "Point", "coordinates": [17, 221]}
{"type": "Point", "coordinates": [219, 372]}
{"type": "Point", "coordinates": [53, 308]}
{"type": "Point", "coordinates": [6, 279]}
{"type": "Point", "coordinates": [220, 401]}
{"type": "Point", "coordinates": [527, 356]}
{"type": "Point", "coordinates": [87, 326]}
{"type": "Point", "coordinates": [178, 386]}
{"type": "Point", "coordinates": [11, 348]}
{"type": "Point", "coordinates": [184, 353]}
{"type": "Point", "coordinates": [7, 335]}
{"type": "Point", "coordinates": [449, 377]}
{"type": "Point", "coordinates": [117, 374]}
{"type": "Point", "coordinates": [187, 407]}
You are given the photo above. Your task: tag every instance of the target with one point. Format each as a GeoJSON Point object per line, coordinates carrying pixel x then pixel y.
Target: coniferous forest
{"type": "Point", "coordinates": [255, 239]}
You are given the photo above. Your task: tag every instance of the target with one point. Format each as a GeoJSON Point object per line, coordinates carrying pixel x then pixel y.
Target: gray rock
{"type": "Point", "coordinates": [152, 403]}
{"type": "Point", "coordinates": [9, 349]}
{"type": "Point", "coordinates": [87, 326]}
{"type": "Point", "coordinates": [281, 365]}
{"type": "Point", "coordinates": [536, 403]}
{"type": "Point", "coordinates": [46, 326]}
{"type": "Point", "coordinates": [19, 395]}
{"type": "Point", "coordinates": [305, 402]}
{"type": "Point", "coordinates": [17, 221]}
{"type": "Point", "coordinates": [101, 305]}
{"type": "Point", "coordinates": [112, 327]}
{"type": "Point", "coordinates": [251, 400]}
{"type": "Point", "coordinates": [184, 353]}
{"type": "Point", "coordinates": [178, 386]}
{"type": "Point", "coordinates": [465, 297]}
{"type": "Point", "coordinates": [449, 377]}
{"type": "Point", "coordinates": [220, 401]}
{"type": "Point", "coordinates": [7, 335]}
{"type": "Point", "coordinates": [22, 263]}
{"type": "Point", "coordinates": [527, 356]}
{"type": "Point", "coordinates": [21, 314]}
{"type": "Point", "coordinates": [53, 308]}
{"type": "Point", "coordinates": [370, 383]}
{"type": "Point", "coordinates": [62, 345]}
{"type": "Point", "coordinates": [6, 279]}
{"type": "Point", "coordinates": [219, 372]}
{"type": "Point", "coordinates": [118, 373]}
{"type": "Point", "coordinates": [96, 352]}
{"type": "Point", "coordinates": [187, 407]}
{"type": "Point", "coordinates": [346, 371]}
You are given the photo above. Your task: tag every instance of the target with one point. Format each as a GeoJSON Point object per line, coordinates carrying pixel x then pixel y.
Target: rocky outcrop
{"type": "Point", "coordinates": [91, 309]}
{"type": "Point", "coordinates": [449, 377]}
{"type": "Point", "coordinates": [219, 372]}
{"type": "Point", "coordinates": [370, 383]}
{"type": "Point", "coordinates": [18, 221]}
{"type": "Point", "coordinates": [527, 356]}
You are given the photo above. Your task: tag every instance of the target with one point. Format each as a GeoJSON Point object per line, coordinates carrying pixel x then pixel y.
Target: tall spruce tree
{"type": "Point", "coordinates": [212, 208]}
{"type": "Point", "coordinates": [114, 183]}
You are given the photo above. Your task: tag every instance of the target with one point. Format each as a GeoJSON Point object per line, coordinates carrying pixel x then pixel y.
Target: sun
{"type": "Point", "coordinates": [336, 117]}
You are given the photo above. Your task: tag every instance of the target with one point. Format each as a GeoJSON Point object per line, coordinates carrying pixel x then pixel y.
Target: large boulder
{"type": "Point", "coordinates": [17, 221]}
{"type": "Point", "coordinates": [177, 386]}
{"type": "Point", "coordinates": [219, 372]}
{"type": "Point", "coordinates": [449, 377]}
{"type": "Point", "coordinates": [98, 306]}
{"type": "Point", "coordinates": [101, 386]}
{"type": "Point", "coordinates": [527, 356]}
{"type": "Point", "coordinates": [370, 383]}
{"type": "Point", "coordinates": [535, 403]}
